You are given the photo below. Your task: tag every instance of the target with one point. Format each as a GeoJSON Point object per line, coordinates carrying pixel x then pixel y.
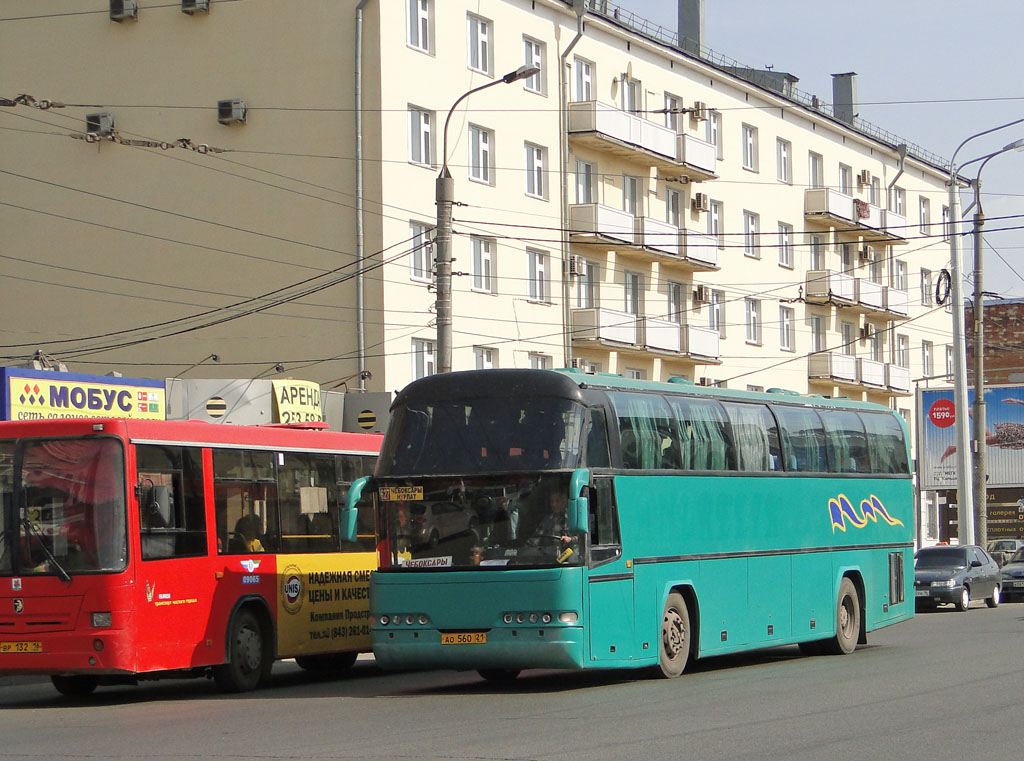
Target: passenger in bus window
{"type": "Point", "coordinates": [247, 529]}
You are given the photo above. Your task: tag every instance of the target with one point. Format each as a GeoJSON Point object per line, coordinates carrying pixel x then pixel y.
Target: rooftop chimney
{"type": "Point", "coordinates": [844, 96]}
{"type": "Point", "coordinates": [691, 26]}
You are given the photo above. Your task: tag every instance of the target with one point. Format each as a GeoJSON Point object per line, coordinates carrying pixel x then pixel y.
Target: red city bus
{"type": "Point", "coordinates": [135, 549]}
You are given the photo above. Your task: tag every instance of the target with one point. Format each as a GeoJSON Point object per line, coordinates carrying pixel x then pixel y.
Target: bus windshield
{"type": "Point", "coordinates": [71, 513]}
{"type": "Point", "coordinates": [482, 435]}
{"type": "Point", "coordinates": [483, 522]}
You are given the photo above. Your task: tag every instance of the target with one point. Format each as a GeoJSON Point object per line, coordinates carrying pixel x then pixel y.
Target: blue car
{"type": "Point", "coordinates": [955, 575]}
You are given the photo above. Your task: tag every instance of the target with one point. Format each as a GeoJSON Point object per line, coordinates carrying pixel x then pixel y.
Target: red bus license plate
{"type": "Point", "coordinates": [464, 638]}
{"type": "Point", "coordinates": [21, 647]}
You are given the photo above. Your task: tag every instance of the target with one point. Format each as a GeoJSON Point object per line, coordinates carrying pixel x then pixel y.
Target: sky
{"type": "Point", "coordinates": [932, 72]}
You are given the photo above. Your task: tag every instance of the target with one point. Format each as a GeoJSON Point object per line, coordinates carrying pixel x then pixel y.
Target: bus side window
{"type": "Point", "coordinates": [605, 544]}
{"type": "Point", "coordinates": [172, 513]}
{"type": "Point", "coordinates": [597, 440]}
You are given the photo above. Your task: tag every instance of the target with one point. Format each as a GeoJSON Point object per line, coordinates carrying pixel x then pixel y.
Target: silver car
{"type": "Point", "coordinates": [955, 575]}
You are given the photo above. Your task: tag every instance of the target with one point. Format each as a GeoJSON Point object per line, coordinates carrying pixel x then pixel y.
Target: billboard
{"type": "Point", "coordinates": [1004, 422]}
{"type": "Point", "coordinates": [44, 395]}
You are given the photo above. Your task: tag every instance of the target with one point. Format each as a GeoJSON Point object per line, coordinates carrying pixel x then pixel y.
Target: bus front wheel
{"type": "Point", "coordinates": [247, 663]}
{"type": "Point", "coordinates": [674, 651]}
{"type": "Point", "coordinates": [847, 619]}
{"type": "Point", "coordinates": [75, 686]}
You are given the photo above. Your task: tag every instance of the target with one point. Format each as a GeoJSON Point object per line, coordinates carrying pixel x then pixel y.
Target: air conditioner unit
{"type": "Point", "coordinates": [699, 112]}
{"type": "Point", "coordinates": [575, 266]}
{"type": "Point", "coordinates": [124, 9]}
{"type": "Point", "coordinates": [702, 294]}
{"type": "Point", "coordinates": [99, 124]}
{"type": "Point", "coordinates": [231, 111]}
{"type": "Point", "coordinates": [575, 362]}
{"type": "Point", "coordinates": [864, 254]}
{"type": "Point", "coordinates": [705, 381]}
{"type": "Point", "coordinates": [864, 178]}
{"type": "Point", "coordinates": [700, 202]}
{"type": "Point", "coordinates": [195, 6]}
{"type": "Point", "coordinates": [866, 332]}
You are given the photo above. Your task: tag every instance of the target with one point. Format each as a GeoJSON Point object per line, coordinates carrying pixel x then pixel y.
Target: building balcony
{"type": "Point", "coordinates": [701, 248]}
{"type": "Point", "coordinates": [864, 374]}
{"type": "Point", "coordinates": [871, 224]}
{"type": "Point", "coordinates": [870, 295]}
{"type": "Point", "coordinates": [894, 226]}
{"type": "Point", "coordinates": [851, 215]}
{"type": "Point", "coordinates": [830, 287]}
{"type": "Point", "coordinates": [610, 129]}
{"type": "Point", "coordinates": [826, 204]}
{"type": "Point", "coordinates": [635, 334]}
{"type": "Point", "coordinates": [639, 237]}
{"type": "Point", "coordinates": [897, 302]}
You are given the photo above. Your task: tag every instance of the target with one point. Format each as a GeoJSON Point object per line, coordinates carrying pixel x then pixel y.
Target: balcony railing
{"type": "Point", "coordinates": [663, 335]}
{"type": "Point", "coordinates": [599, 324]}
{"type": "Point", "coordinates": [898, 378]}
{"type": "Point", "coordinates": [827, 202]}
{"type": "Point", "coordinates": [894, 225]}
{"type": "Point", "coordinates": [621, 126]}
{"type": "Point", "coordinates": [897, 302]}
{"type": "Point", "coordinates": [701, 247]}
{"type": "Point", "coordinates": [603, 221]}
{"type": "Point", "coordinates": [659, 236]}
{"type": "Point", "coordinates": [822, 285]}
{"type": "Point", "coordinates": [848, 370]}
{"type": "Point", "coordinates": [830, 365]}
{"type": "Point", "coordinates": [645, 333]}
{"type": "Point", "coordinates": [697, 153]}
{"type": "Point", "coordinates": [871, 294]}
{"type": "Point", "coordinates": [702, 342]}
{"type": "Point", "coordinates": [872, 373]}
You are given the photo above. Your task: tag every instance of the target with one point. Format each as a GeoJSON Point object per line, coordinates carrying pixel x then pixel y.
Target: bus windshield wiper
{"type": "Point", "coordinates": [31, 531]}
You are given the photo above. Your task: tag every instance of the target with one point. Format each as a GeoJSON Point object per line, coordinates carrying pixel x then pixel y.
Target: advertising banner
{"type": "Point", "coordinates": [44, 395]}
{"type": "Point", "coordinates": [1004, 435]}
{"type": "Point", "coordinates": [297, 401]}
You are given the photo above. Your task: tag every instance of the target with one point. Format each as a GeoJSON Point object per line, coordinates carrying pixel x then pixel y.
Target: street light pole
{"type": "Point", "coordinates": [978, 409]}
{"type": "Point", "coordinates": [965, 497]}
{"type": "Point", "coordinates": [444, 197]}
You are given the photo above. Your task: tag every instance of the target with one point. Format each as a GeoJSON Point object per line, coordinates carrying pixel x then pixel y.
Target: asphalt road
{"type": "Point", "coordinates": [945, 685]}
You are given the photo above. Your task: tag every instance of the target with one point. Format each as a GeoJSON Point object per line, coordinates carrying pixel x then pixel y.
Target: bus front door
{"type": "Point", "coordinates": [609, 582]}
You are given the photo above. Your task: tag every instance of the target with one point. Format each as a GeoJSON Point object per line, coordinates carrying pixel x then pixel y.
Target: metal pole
{"type": "Point", "coordinates": [980, 465]}
{"type": "Point", "coordinates": [444, 194]}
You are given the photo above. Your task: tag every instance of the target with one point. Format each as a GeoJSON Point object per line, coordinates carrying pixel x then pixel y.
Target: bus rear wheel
{"type": "Point", "coordinates": [75, 686]}
{"type": "Point", "coordinates": [847, 619]}
{"type": "Point", "coordinates": [248, 662]}
{"type": "Point", "coordinates": [674, 651]}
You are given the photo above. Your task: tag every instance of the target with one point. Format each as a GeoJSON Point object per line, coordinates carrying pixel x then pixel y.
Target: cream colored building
{"type": "Point", "coordinates": [649, 212]}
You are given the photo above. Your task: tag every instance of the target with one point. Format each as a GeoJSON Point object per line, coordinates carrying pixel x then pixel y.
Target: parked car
{"type": "Point", "coordinates": [1003, 549]}
{"type": "Point", "coordinates": [436, 522]}
{"type": "Point", "coordinates": [955, 575]}
{"type": "Point", "coordinates": [1013, 576]}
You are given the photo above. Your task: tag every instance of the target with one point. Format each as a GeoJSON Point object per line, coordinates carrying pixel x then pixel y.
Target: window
{"type": "Point", "coordinates": [784, 167]}
{"type": "Point", "coordinates": [926, 288]}
{"type": "Point", "coordinates": [949, 361]}
{"type": "Point", "coordinates": [586, 285]}
{"type": "Point", "coordinates": [845, 180]}
{"type": "Point", "coordinates": [634, 373]}
{"type": "Point", "coordinates": [848, 331]}
{"type": "Point", "coordinates": [533, 53]}
{"type": "Point", "coordinates": [479, 44]}
{"type": "Point", "coordinates": [536, 184]}
{"type": "Point", "coordinates": [583, 79]}
{"type": "Point", "coordinates": [817, 333]}
{"type": "Point", "coordinates": [898, 201]}
{"type": "Point", "coordinates": [925, 211]}
{"type": "Point", "coordinates": [786, 315]}
{"type": "Point", "coordinates": [877, 350]}
{"type": "Point", "coordinates": [715, 222]}
{"type": "Point", "coordinates": [785, 244]}
{"type": "Point", "coordinates": [713, 131]}
{"type": "Point", "coordinates": [422, 358]}
{"type": "Point", "coordinates": [631, 195]}
{"type": "Point", "coordinates": [899, 275]}
{"type": "Point", "coordinates": [421, 136]}
{"type": "Point", "coordinates": [421, 261]}
{"type": "Point", "coordinates": [483, 264]}
{"type": "Point", "coordinates": [716, 312]}
{"type": "Point", "coordinates": [171, 501]}
{"type": "Point", "coordinates": [673, 105]}
{"type": "Point", "coordinates": [633, 96]}
{"type": "Point", "coordinates": [874, 191]}
{"type": "Point", "coordinates": [946, 226]}
{"type": "Point", "coordinates": [927, 369]}
{"type": "Point", "coordinates": [755, 437]}
{"type": "Point", "coordinates": [633, 289]}
{"type": "Point", "coordinates": [750, 147]}
{"type": "Point", "coordinates": [817, 252]}
{"type": "Point", "coordinates": [485, 358]}
{"type": "Point", "coordinates": [421, 27]}
{"type": "Point", "coordinates": [539, 290]}
{"type": "Point", "coordinates": [584, 182]}
{"type": "Point", "coordinates": [481, 157]}
{"type": "Point", "coordinates": [245, 494]}
{"type": "Point", "coordinates": [901, 352]}
{"type": "Point", "coordinates": [753, 320]}
{"type": "Point", "coordinates": [674, 311]}
{"type": "Point", "coordinates": [751, 221]}
{"type": "Point", "coordinates": [540, 361]}
{"type": "Point", "coordinates": [672, 207]}
{"type": "Point", "coordinates": [815, 170]}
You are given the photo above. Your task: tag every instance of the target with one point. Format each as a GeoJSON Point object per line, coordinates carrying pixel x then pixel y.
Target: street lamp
{"type": "Point", "coordinates": [978, 408]}
{"type": "Point", "coordinates": [965, 498]}
{"type": "Point", "coordinates": [444, 196]}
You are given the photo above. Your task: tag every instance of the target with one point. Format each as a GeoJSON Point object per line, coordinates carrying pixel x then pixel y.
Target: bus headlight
{"type": "Point", "coordinates": [385, 620]}
{"type": "Point", "coordinates": [569, 617]}
{"type": "Point", "coordinates": [102, 620]}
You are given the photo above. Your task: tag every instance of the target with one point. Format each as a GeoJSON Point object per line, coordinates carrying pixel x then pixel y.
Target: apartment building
{"type": "Point", "coordinates": [256, 180]}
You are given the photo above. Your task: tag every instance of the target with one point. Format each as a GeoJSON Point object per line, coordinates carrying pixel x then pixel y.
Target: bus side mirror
{"type": "Point", "coordinates": [349, 513]}
{"type": "Point", "coordinates": [577, 518]}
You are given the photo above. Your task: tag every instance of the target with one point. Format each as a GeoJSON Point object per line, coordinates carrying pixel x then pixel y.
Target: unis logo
{"type": "Point", "coordinates": [250, 565]}
{"type": "Point", "coordinates": [841, 511]}
{"type": "Point", "coordinates": [291, 589]}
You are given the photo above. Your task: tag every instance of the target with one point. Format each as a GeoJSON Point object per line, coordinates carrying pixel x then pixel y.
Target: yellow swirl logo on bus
{"type": "Point", "coordinates": [842, 511]}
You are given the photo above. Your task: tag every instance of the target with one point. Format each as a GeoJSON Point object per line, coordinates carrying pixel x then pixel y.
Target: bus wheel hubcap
{"type": "Point", "coordinates": [673, 634]}
{"type": "Point", "coordinates": [249, 647]}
